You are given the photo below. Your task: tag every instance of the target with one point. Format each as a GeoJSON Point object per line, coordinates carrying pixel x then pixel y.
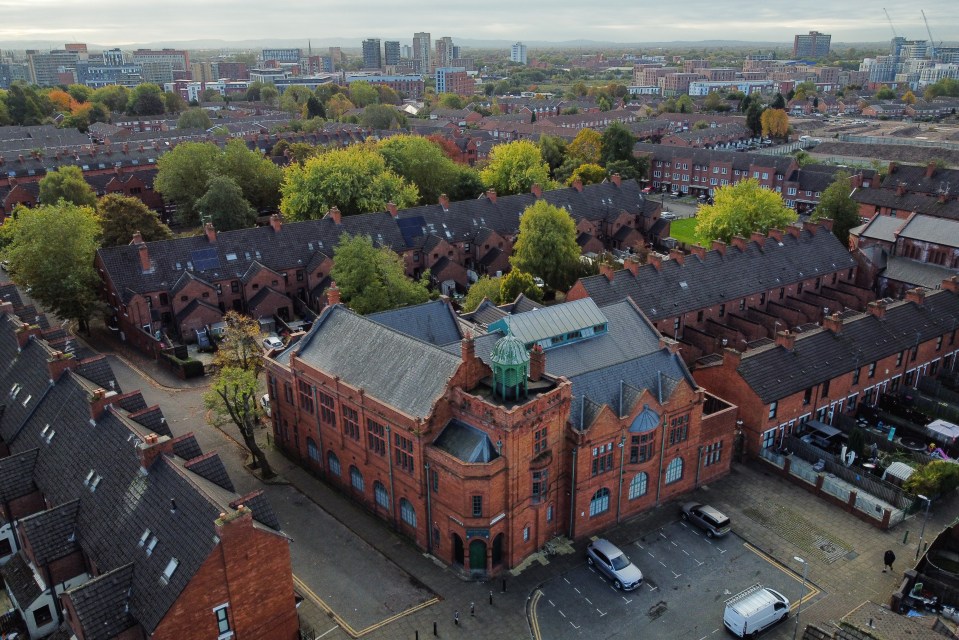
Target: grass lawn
{"type": "Point", "coordinates": [684, 230]}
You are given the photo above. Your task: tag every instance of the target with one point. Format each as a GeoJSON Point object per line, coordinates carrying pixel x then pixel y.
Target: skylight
{"type": "Point", "coordinates": [170, 569]}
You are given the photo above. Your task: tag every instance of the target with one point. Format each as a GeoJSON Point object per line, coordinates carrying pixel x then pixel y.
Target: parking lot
{"type": "Point", "coordinates": [687, 579]}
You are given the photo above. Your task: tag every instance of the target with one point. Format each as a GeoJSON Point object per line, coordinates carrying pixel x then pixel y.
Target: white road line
{"type": "Point", "coordinates": [574, 626]}
{"type": "Point", "coordinates": [588, 600]}
{"type": "Point", "coordinates": [567, 579]}
{"type": "Point", "coordinates": [673, 543]}
{"type": "Point", "coordinates": [576, 589]}
{"type": "Point", "coordinates": [329, 631]}
{"type": "Point", "coordinates": [662, 563]}
{"type": "Point", "coordinates": [627, 601]}
{"type": "Point", "coordinates": [699, 563]}
{"type": "Point", "coordinates": [650, 554]}
{"type": "Point", "coordinates": [552, 604]}
{"type": "Point", "coordinates": [664, 535]}
{"type": "Point", "coordinates": [561, 613]}
{"type": "Point", "coordinates": [652, 588]}
{"type": "Point", "coordinates": [676, 575]}
{"type": "Point", "coordinates": [685, 526]}
{"type": "Point", "coordinates": [601, 614]}
{"type": "Point", "coordinates": [686, 552]}
{"type": "Point", "coordinates": [722, 551]}
{"type": "Point", "coordinates": [640, 546]}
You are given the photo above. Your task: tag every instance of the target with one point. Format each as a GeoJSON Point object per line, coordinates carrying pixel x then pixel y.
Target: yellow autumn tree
{"type": "Point", "coordinates": [775, 123]}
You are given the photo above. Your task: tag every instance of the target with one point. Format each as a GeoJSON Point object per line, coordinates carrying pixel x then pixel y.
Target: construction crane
{"type": "Point", "coordinates": [932, 43]}
{"type": "Point", "coordinates": [894, 34]}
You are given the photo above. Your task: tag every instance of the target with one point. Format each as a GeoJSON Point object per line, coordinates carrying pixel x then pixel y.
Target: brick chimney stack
{"type": "Point", "coordinates": [900, 189]}
{"type": "Point", "coordinates": [776, 234]}
{"type": "Point", "coordinates": [6, 308]}
{"type": "Point", "coordinates": [931, 169]}
{"type": "Point", "coordinates": [832, 323]}
{"type": "Point", "coordinates": [578, 185]}
{"type": "Point", "coordinates": [794, 231]}
{"type": "Point", "coordinates": [606, 270]}
{"type": "Point", "coordinates": [655, 259]}
{"type": "Point", "coordinates": [917, 296]}
{"type": "Point", "coordinates": [877, 308]}
{"type": "Point", "coordinates": [537, 190]}
{"type": "Point", "coordinates": [392, 208]}
{"type": "Point", "coordinates": [58, 362]}
{"type": "Point", "coordinates": [698, 250]}
{"type": "Point", "coordinates": [537, 363]}
{"type": "Point", "coordinates": [677, 255]}
{"type": "Point", "coordinates": [332, 295]}
{"type": "Point", "coordinates": [739, 242]}
{"type": "Point", "coordinates": [335, 215]}
{"type": "Point", "coordinates": [210, 232]}
{"type": "Point", "coordinates": [152, 448]}
{"type": "Point", "coordinates": [444, 202]}
{"type": "Point", "coordinates": [145, 264]}
{"type": "Point", "coordinates": [892, 168]}
{"type": "Point", "coordinates": [99, 401]}
{"type": "Point", "coordinates": [732, 358]}
{"type": "Point", "coordinates": [720, 246]}
{"type": "Point", "coordinates": [811, 227]}
{"type": "Point", "coordinates": [137, 238]}
{"type": "Point", "coordinates": [758, 238]}
{"type": "Point", "coordinates": [786, 339]}
{"type": "Point", "coordinates": [491, 195]}
{"type": "Point", "coordinates": [951, 284]}
{"type": "Point", "coordinates": [615, 179]}
{"type": "Point", "coordinates": [25, 332]}
{"type": "Point", "coordinates": [276, 222]}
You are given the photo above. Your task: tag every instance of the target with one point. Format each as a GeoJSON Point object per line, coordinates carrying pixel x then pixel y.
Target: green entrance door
{"type": "Point", "coordinates": [477, 555]}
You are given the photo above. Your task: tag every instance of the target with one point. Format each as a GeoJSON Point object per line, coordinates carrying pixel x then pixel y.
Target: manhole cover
{"type": "Point", "coordinates": [829, 549]}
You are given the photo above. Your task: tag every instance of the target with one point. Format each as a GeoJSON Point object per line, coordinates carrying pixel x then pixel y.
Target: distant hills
{"type": "Point", "coordinates": [354, 43]}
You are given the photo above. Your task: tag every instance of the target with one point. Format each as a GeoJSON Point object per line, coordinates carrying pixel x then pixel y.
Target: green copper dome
{"type": "Point", "coordinates": [509, 351]}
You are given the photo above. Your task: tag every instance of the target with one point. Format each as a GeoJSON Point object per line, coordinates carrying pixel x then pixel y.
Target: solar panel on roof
{"type": "Point", "coordinates": [410, 228]}
{"type": "Point", "coordinates": [204, 259]}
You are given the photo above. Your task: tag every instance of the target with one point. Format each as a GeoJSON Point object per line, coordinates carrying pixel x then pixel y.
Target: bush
{"type": "Point", "coordinates": [935, 478]}
{"type": "Point", "coordinates": [189, 368]}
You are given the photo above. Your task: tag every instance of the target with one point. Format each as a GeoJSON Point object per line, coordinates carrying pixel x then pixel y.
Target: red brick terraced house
{"type": "Point", "coordinates": [112, 527]}
{"type": "Point", "coordinates": [559, 421]}
{"type": "Point", "coordinates": [831, 370]}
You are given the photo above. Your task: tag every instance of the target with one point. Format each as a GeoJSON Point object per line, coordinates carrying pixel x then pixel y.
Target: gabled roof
{"type": "Point", "coordinates": [20, 579]}
{"type": "Point", "coordinates": [16, 475]}
{"type": "Point", "coordinates": [773, 372]}
{"type": "Point", "coordinates": [916, 202]}
{"type": "Point", "coordinates": [433, 322]}
{"type": "Point", "coordinates": [52, 533]}
{"type": "Point", "coordinates": [401, 371]}
{"type": "Point", "coordinates": [916, 179]}
{"type": "Point", "coordinates": [741, 161]}
{"type": "Point", "coordinates": [211, 467]}
{"type": "Point", "coordinates": [255, 268]}
{"type": "Point", "coordinates": [186, 278]}
{"type": "Point", "coordinates": [465, 443]}
{"type": "Point", "coordinates": [882, 228]}
{"type": "Point", "coordinates": [550, 322]}
{"type": "Point", "coordinates": [915, 273]}
{"type": "Point", "coordinates": [929, 229]}
{"type": "Point", "coordinates": [102, 604]}
{"type": "Point", "coordinates": [193, 305]}
{"type": "Point", "coordinates": [696, 284]}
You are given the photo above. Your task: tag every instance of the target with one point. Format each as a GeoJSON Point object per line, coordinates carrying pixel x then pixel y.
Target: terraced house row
{"type": "Point", "coordinates": [177, 286]}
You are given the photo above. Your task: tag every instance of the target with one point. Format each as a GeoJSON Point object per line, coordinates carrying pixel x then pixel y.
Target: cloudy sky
{"type": "Point", "coordinates": [112, 22]}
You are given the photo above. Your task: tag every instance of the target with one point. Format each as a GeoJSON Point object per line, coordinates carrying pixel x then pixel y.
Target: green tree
{"type": "Point", "coordinates": [420, 162]}
{"type": "Point", "coordinates": [372, 279]}
{"type": "Point", "coordinates": [355, 180]}
{"type": "Point", "coordinates": [314, 108]}
{"type": "Point", "coordinates": [194, 119]}
{"type": "Point", "coordinates": [885, 93]}
{"type": "Point", "coordinates": [741, 208]}
{"type": "Point", "coordinates": [174, 104]}
{"type": "Point", "coordinates": [700, 124]}
{"type": "Point", "coordinates": [51, 249]}
{"type": "Point", "coordinates": [363, 94]}
{"type": "Point", "coordinates": [546, 245]}
{"type": "Point", "coordinates": [779, 102]}
{"type": "Point", "coordinates": [381, 116]}
{"type": "Point", "coordinates": [485, 287]}
{"type": "Point", "coordinates": [259, 178]}
{"type": "Point", "coordinates": [183, 176]}
{"type": "Point", "coordinates": [80, 92]}
{"type": "Point", "coordinates": [5, 118]}
{"type": "Point", "coordinates": [253, 91]}
{"type": "Point", "coordinates": [26, 107]}
{"type": "Point", "coordinates": [586, 148]}
{"type": "Point", "coordinates": [685, 104]}
{"type": "Point", "coordinates": [450, 101]}
{"type": "Point", "coordinates": [294, 100]}
{"type": "Point", "coordinates": [515, 167]}
{"type": "Point", "coordinates": [837, 204]}
{"type": "Point", "coordinates": [269, 94]}
{"type": "Point", "coordinates": [754, 116]}
{"type": "Point", "coordinates": [616, 144]}
{"type": "Point", "coordinates": [337, 105]}
{"type": "Point", "coordinates": [146, 100]}
{"type": "Point", "coordinates": [240, 345]}
{"type": "Point", "coordinates": [713, 101]}
{"type": "Point", "coordinates": [232, 396]}
{"type": "Point", "coordinates": [67, 183]}
{"type": "Point", "coordinates": [225, 205]}
{"type": "Point", "coordinates": [121, 216]}
{"type": "Point", "coordinates": [516, 282]}
{"type": "Point", "coordinates": [553, 150]}
{"type": "Point", "coordinates": [467, 184]}
{"type": "Point", "coordinates": [114, 97]}
{"type": "Point", "coordinates": [587, 174]}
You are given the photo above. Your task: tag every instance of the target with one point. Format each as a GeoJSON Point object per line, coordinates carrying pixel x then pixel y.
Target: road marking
{"type": "Point", "coordinates": [601, 614]}
{"type": "Point", "coordinates": [588, 600]}
{"type": "Point", "coordinates": [652, 588]}
{"type": "Point", "coordinates": [567, 579]}
{"type": "Point", "coordinates": [561, 613]}
{"type": "Point", "coordinates": [574, 626]}
{"type": "Point", "coordinates": [664, 535]}
{"type": "Point", "coordinates": [551, 603]}
{"type": "Point", "coordinates": [534, 617]}
{"type": "Point", "coordinates": [640, 546]}
{"type": "Point", "coordinates": [683, 523]}
{"type": "Point", "coordinates": [698, 563]}
{"type": "Point", "coordinates": [813, 589]}
{"type": "Point", "coordinates": [662, 563]}
{"type": "Point", "coordinates": [673, 543]}
{"type": "Point", "coordinates": [686, 552]}
{"type": "Point", "coordinates": [650, 554]}
{"type": "Point", "coordinates": [576, 589]}
{"type": "Point", "coordinates": [627, 601]}
{"type": "Point", "coordinates": [353, 633]}
{"type": "Point", "coordinates": [328, 631]}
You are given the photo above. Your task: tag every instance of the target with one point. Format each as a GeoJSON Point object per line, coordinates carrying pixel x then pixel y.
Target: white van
{"type": "Point", "coordinates": [755, 609]}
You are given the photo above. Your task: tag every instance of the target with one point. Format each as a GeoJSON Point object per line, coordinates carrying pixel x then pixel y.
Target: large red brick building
{"type": "Point", "coordinates": [558, 421]}
{"type": "Point", "coordinates": [111, 526]}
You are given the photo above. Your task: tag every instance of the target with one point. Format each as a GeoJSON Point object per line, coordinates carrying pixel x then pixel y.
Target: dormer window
{"type": "Point", "coordinates": [143, 538]}
{"type": "Point", "coordinates": [169, 570]}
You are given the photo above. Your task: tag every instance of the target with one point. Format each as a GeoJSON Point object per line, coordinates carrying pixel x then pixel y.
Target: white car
{"type": "Point", "coordinates": [272, 342]}
{"type": "Point", "coordinates": [265, 404]}
{"type": "Point", "coordinates": [667, 215]}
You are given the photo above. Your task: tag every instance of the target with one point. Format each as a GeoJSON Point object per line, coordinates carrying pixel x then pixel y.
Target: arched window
{"type": "Point", "coordinates": [407, 513]}
{"type": "Point", "coordinates": [356, 479]}
{"type": "Point", "coordinates": [382, 497]}
{"type": "Point", "coordinates": [674, 471]}
{"type": "Point", "coordinates": [333, 463]}
{"type": "Point", "coordinates": [638, 486]}
{"type": "Point", "coordinates": [600, 502]}
{"type": "Point", "coordinates": [312, 451]}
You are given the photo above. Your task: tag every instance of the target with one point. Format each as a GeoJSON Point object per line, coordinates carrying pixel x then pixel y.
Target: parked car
{"type": "Point", "coordinates": [753, 610]}
{"type": "Point", "coordinates": [667, 215]}
{"type": "Point", "coordinates": [614, 564]}
{"type": "Point", "coordinates": [265, 404]}
{"type": "Point", "coordinates": [272, 342]}
{"type": "Point", "coordinates": [710, 520]}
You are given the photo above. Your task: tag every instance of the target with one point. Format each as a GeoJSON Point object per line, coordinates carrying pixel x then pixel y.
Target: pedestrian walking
{"type": "Point", "coordinates": [888, 558]}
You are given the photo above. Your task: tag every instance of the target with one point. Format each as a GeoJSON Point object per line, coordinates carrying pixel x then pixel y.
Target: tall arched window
{"type": "Point", "coordinates": [333, 463]}
{"type": "Point", "coordinates": [381, 495]}
{"type": "Point", "coordinates": [600, 502]}
{"type": "Point", "coordinates": [356, 479]}
{"type": "Point", "coordinates": [674, 471]}
{"type": "Point", "coordinates": [312, 451]}
{"type": "Point", "coordinates": [407, 513]}
{"type": "Point", "coordinates": [638, 485]}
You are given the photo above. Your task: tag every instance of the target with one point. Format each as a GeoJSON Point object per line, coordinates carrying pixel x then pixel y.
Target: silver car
{"type": "Point", "coordinates": [710, 520]}
{"type": "Point", "coordinates": [614, 564]}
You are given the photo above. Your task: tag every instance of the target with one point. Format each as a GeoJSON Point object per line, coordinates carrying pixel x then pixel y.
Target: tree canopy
{"type": "Point", "coordinates": [51, 249]}
{"type": "Point", "coordinates": [515, 167]}
{"type": "Point", "coordinates": [586, 148]}
{"type": "Point", "coordinates": [516, 282]}
{"type": "Point", "coordinates": [232, 396]}
{"type": "Point", "coordinates": [355, 180]}
{"type": "Point", "coordinates": [224, 205]}
{"type": "Point", "coordinates": [372, 279]}
{"type": "Point", "coordinates": [194, 119]}
{"type": "Point", "coordinates": [67, 183]}
{"type": "Point", "coordinates": [616, 144]}
{"type": "Point", "coordinates": [422, 163]}
{"type": "Point", "coordinates": [587, 174]}
{"type": "Point", "coordinates": [546, 245]}
{"type": "Point", "coordinates": [837, 204]}
{"type": "Point", "coordinates": [775, 123]}
{"type": "Point", "coordinates": [121, 216]}
{"type": "Point", "coordinates": [485, 287]}
{"type": "Point", "coordinates": [146, 100]}
{"type": "Point", "coordinates": [741, 208]}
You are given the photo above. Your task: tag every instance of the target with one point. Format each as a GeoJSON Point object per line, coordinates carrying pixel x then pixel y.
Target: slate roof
{"type": "Point", "coordinates": [20, 579]}
{"type": "Point", "coordinates": [151, 419]}
{"type": "Point", "coordinates": [718, 279]}
{"type": "Point", "coordinates": [465, 442]}
{"type": "Point", "coordinates": [187, 447]}
{"type": "Point", "coordinates": [16, 475]}
{"type": "Point", "coordinates": [102, 604]}
{"type": "Point", "coordinates": [741, 161]}
{"type": "Point", "coordinates": [401, 371]}
{"type": "Point", "coordinates": [915, 179]}
{"type": "Point", "coordinates": [913, 272]}
{"type": "Point", "coordinates": [485, 314]}
{"type": "Point", "coordinates": [882, 228]}
{"type": "Point", "coordinates": [261, 507]}
{"type": "Point", "coordinates": [52, 533]}
{"type": "Point", "coordinates": [97, 370]}
{"type": "Point", "coordinates": [193, 305]}
{"type": "Point", "coordinates": [929, 229]}
{"type": "Point", "coordinates": [211, 467]}
{"type": "Point", "coordinates": [917, 202]}
{"type": "Point", "coordinates": [557, 320]}
{"type": "Point", "coordinates": [773, 372]}
{"type": "Point", "coordinates": [433, 322]}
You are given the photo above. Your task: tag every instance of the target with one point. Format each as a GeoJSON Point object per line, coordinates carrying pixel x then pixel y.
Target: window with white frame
{"type": "Point", "coordinates": [674, 471]}
{"type": "Point", "coordinates": [638, 485]}
{"type": "Point", "coordinates": [600, 502]}
{"type": "Point", "coordinates": [222, 614]}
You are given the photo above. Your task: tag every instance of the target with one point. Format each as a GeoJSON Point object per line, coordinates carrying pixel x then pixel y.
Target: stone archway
{"type": "Point", "coordinates": [497, 551]}
{"type": "Point", "coordinates": [458, 550]}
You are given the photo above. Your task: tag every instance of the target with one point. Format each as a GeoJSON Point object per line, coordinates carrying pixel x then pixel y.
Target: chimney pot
{"type": "Point", "coordinates": [677, 255]}
{"type": "Point", "coordinates": [931, 169]}
{"type": "Point", "coordinates": [786, 339]}
{"type": "Point", "coordinates": [392, 208]}
{"type": "Point", "coordinates": [720, 246]}
{"type": "Point", "coordinates": [333, 294]}
{"type": "Point", "coordinates": [832, 323]}
{"type": "Point", "coordinates": [632, 265]}
{"type": "Point", "coordinates": [537, 190]}
{"type": "Point", "coordinates": [698, 250]}
{"type": "Point", "coordinates": [951, 284]}
{"type": "Point", "coordinates": [606, 270]}
{"type": "Point", "coordinates": [276, 222]}
{"type": "Point", "coordinates": [210, 232]}
{"type": "Point", "coordinates": [491, 195]}
{"type": "Point", "coordinates": [137, 238]}
{"type": "Point", "coordinates": [794, 230]}
{"type": "Point", "coordinates": [444, 202]}
{"type": "Point", "coordinates": [152, 447]}
{"type": "Point", "coordinates": [877, 308]}
{"type": "Point", "coordinates": [616, 179]}
{"type": "Point", "coordinates": [810, 226]}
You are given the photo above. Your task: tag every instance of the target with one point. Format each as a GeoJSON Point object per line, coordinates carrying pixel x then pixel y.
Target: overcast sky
{"type": "Point", "coordinates": [112, 22]}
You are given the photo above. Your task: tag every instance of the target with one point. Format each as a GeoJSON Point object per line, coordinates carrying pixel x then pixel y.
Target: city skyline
{"type": "Point", "coordinates": [108, 22]}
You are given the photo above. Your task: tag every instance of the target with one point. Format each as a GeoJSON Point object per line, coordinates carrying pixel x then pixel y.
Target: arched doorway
{"type": "Point", "coordinates": [498, 550]}
{"type": "Point", "coordinates": [457, 550]}
{"type": "Point", "coordinates": [477, 557]}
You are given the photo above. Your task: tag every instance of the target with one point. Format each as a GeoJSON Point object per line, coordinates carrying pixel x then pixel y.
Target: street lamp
{"type": "Point", "coordinates": [922, 531]}
{"type": "Point", "coordinates": [805, 569]}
